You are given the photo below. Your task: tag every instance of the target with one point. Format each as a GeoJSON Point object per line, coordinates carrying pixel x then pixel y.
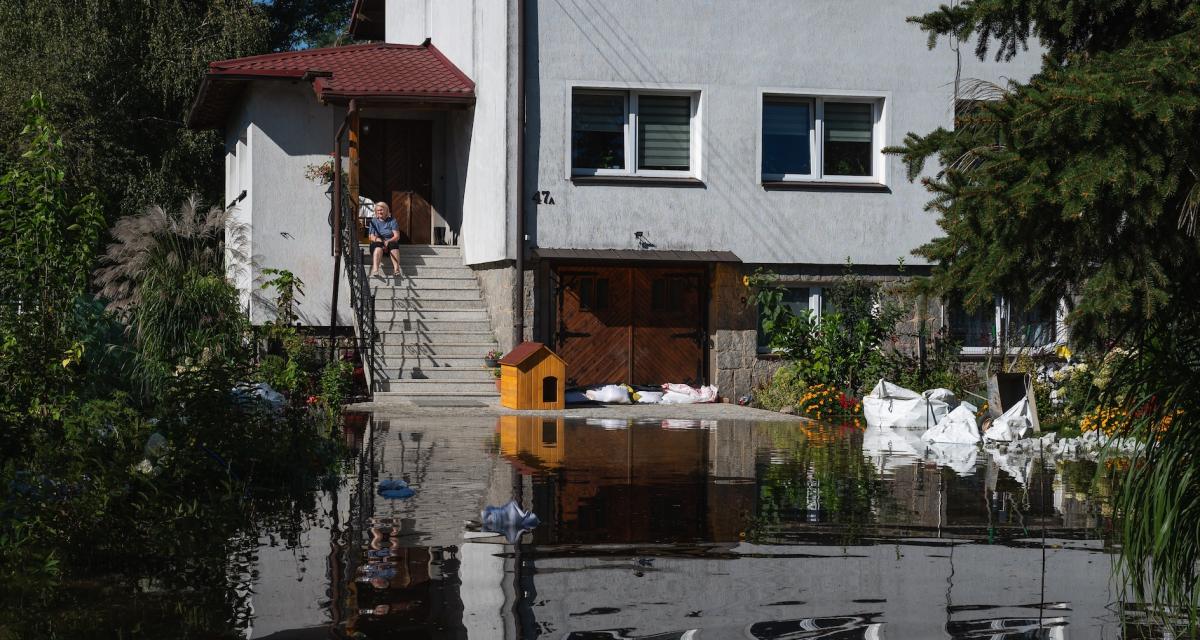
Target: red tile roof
{"type": "Point", "coordinates": [522, 352]}
{"type": "Point", "coordinates": [369, 72]}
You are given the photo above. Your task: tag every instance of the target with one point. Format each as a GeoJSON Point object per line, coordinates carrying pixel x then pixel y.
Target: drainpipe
{"type": "Point", "coordinates": [519, 286]}
{"type": "Point", "coordinates": [337, 228]}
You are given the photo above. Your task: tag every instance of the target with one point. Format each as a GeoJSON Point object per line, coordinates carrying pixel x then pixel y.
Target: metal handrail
{"type": "Point", "coordinates": [362, 300]}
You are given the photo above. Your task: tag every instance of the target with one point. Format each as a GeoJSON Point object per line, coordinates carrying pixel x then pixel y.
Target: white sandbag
{"type": "Point", "coordinates": [889, 405]}
{"type": "Point", "coordinates": [610, 394]}
{"type": "Point", "coordinates": [649, 397]}
{"type": "Point", "coordinates": [942, 395]}
{"type": "Point", "coordinates": [958, 427]}
{"type": "Point", "coordinates": [683, 394]}
{"type": "Point", "coordinates": [1013, 424]}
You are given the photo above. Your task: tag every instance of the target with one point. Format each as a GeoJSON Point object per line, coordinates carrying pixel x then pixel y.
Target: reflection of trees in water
{"type": "Point", "coordinates": [814, 473]}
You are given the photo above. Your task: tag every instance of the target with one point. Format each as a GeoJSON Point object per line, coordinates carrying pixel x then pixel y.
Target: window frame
{"type": "Point", "coordinates": [630, 130]}
{"type": "Point", "coordinates": [880, 102]}
{"type": "Point", "coordinates": [1002, 313]}
{"type": "Point", "coordinates": [816, 294]}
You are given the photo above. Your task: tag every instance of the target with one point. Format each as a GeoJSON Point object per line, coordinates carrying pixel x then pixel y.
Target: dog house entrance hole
{"type": "Point", "coordinates": [550, 389]}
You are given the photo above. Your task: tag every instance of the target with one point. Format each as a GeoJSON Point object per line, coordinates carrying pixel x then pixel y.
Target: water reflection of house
{"type": "Point", "coordinates": [623, 485]}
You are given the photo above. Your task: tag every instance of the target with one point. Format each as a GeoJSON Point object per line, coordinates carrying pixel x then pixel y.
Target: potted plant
{"type": "Point", "coordinates": [496, 375]}
{"type": "Point", "coordinates": [491, 359]}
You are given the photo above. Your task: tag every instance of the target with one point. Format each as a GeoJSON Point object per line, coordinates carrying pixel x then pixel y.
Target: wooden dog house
{"type": "Point", "coordinates": [532, 377]}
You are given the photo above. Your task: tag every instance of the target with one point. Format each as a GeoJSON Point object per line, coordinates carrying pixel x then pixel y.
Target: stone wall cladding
{"type": "Point", "coordinates": [496, 283]}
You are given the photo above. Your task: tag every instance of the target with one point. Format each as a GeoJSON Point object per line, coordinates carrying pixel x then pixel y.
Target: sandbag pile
{"type": "Point", "coordinates": [671, 393]}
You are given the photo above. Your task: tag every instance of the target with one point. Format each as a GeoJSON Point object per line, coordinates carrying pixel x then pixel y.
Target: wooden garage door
{"type": "Point", "coordinates": [630, 324]}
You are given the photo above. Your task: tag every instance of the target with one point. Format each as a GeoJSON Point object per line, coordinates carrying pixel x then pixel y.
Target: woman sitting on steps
{"type": "Point", "coordinates": [384, 234]}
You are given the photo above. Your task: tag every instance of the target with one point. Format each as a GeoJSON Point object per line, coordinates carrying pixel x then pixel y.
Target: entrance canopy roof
{"type": "Point", "coordinates": [374, 73]}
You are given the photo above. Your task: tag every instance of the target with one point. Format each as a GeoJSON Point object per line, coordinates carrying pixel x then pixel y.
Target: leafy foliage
{"type": "Point", "coordinates": [854, 343]}
{"type": "Point", "coordinates": [164, 274]}
{"type": "Point", "coordinates": [50, 235]}
{"type": "Point", "coordinates": [118, 78]}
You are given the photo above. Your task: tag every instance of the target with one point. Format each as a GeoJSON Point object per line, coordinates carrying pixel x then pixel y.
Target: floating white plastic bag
{"type": "Point", "coordinates": [611, 394]}
{"type": "Point", "coordinates": [1013, 424]}
{"type": "Point", "coordinates": [890, 405]}
{"type": "Point", "coordinates": [958, 427]}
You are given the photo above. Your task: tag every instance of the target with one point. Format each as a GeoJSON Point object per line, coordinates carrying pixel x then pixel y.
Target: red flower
{"type": "Point", "coordinates": [312, 400]}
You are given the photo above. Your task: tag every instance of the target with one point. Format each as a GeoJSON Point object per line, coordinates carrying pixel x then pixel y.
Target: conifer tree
{"type": "Point", "coordinates": [1083, 184]}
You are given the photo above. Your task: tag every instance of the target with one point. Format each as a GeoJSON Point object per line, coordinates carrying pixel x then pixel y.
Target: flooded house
{"type": "Point", "coordinates": [598, 177]}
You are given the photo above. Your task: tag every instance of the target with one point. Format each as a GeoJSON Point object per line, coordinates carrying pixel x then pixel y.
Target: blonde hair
{"type": "Point", "coordinates": [387, 211]}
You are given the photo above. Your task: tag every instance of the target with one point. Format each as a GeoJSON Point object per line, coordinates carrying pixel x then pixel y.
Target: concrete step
{"type": "Point", "coordinates": [460, 362]}
{"type": "Point", "coordinates": [413, 271]}
{"type": "Point", "coordinates": [391, 315]}
{"type": "Point", "coordinates": [423, 249]}
{"type": "Point", "coordinates": [440, 387]}
{"type": "Point", "coordinates": [434, 373]}
{"type": "Point", "coordinates": [405, 284]}
{"type": "Point", "coordinates": [420, 271]}
{"type": "Point", "coordinates": [390, 337]}
{"type": "Point", "coordinates": [435, 351]}
{"type": "Point", "coordinates": [418, 261]}
{"type": "Point", "coordinates": [419, 304]}
{"type": "Point", "coordinates": [424, 294]}
{"type": "Point", "coordinates": [395, 323]}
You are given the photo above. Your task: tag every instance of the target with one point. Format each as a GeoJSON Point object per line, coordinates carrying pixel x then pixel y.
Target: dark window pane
{"type": "Point", "coordinates": [1035, 327]}
{"type": "Point", "coordinates": [848, 145]}
{"type": "Point", "coordinates": [786, 137]}
{"type": "Point", "coordinates": [587, 290]}
{"type": "Point", "coordinates": [601, 301]}
{"type": "Point", "coordinates": [664, 132]}
{"type": "Point", "coordinates": [598, 131]}
{"type": "Point", "coordinates": [973, 328]}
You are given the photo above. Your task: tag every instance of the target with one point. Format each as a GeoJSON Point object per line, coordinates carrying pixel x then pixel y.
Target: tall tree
{"type": "Point", "coordinates": [307, 23]}
{"type": "Point", "coordinates": [1083, 184]}
{"type": "Point", "coordinates": [118, 77]}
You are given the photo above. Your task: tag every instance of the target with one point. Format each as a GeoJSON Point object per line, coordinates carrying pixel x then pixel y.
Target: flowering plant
{"type": "Point", "coordinates": [823, 401]}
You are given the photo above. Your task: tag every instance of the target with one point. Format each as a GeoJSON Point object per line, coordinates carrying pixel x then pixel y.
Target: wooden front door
{"type": "Point", "coordinates": [396, 167]}
{"type": "Point", "coordinates": [631, 324]}
{"type": "Point", "coordinates": [593, 324]}
{"type": "Point", "coordinates": [668, 326]}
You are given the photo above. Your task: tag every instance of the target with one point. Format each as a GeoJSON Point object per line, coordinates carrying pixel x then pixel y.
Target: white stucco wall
{"type": "Point", "coordinates": [732, 51]}
{"type": "Point", "coordinates": [473, 34]}
{"type": "Point", "coordinates": [289, 214]}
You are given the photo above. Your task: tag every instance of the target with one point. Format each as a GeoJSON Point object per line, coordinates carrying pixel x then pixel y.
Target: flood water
{"type": "Point", "coordinates": [694, 530]}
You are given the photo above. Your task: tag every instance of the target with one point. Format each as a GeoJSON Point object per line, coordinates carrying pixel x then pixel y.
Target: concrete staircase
{"type": "Point", "coordinates": [433, 329]}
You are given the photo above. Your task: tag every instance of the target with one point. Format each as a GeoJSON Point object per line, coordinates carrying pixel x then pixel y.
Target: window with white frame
{"type": "Point", "coordinates": [800, 300]}
{"type": "Point", "coordinates": [822, 138]}
{"type": "Point", "coordinates": [982, 329]}
{"type": "Point", "coordinates": [634, 133]}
